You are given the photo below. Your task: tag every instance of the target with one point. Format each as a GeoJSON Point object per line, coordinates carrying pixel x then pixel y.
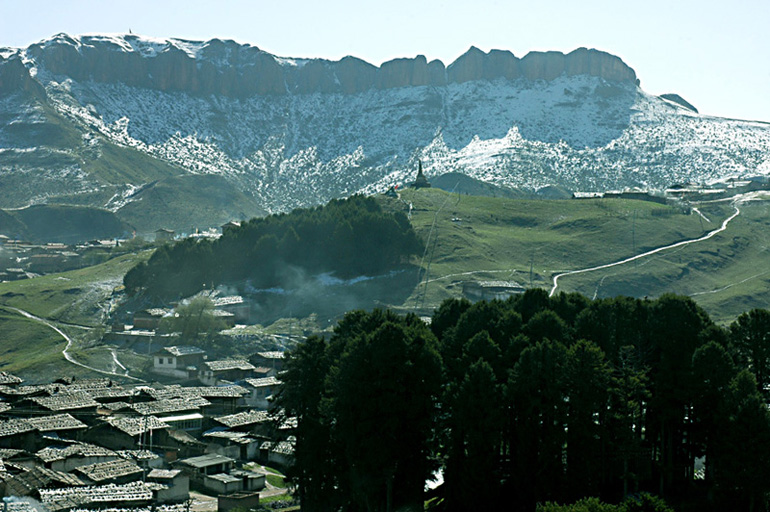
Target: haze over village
{"type": "Point", "coordinates": [345, 257]}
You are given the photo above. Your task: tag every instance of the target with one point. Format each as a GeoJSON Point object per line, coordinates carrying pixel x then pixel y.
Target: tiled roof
{"type": "Point", "coordinates": [54, 453]}
{"type": "Point", "coordinates": [228, 301]}
{"type": "Point", "coordinates": [137, 454]}
{"type": "Point", "coordinates": [215, 391]}
{"type": "Point", "coordinates": [14, 426]}
{"type": "Point", "coordinates": [170, 405]}
{"type": "Point", "coordinates": [66, 401]}
{"type": "Point", "coordinates": [184, 350]}
{"type": "Point", "coordinates": [271, 355]}
{"type": "Point", "coordinates": [72, 385]}
{"type": "Point", "coordinates": [244, 418]}
{"type": "Point", "coordinates": [115, 406]}
{"type": "Point", "coordinates": [264, 382]}
{"type": "Point", "coordinates": [282, 447]}
{"type": "Point", "coordinates": [112, 392]}
{"type": "Point", "coordinates": [164, 474]}
{"type": "Point", "coordinates": [56, 422]}
{"type": "Point", "coordinates": [224, 478]}
{"type": "Point", "coordinates": [64, 499]}
{"type": "Point", "coordinates": [204, 461]}
{"type": "Point", "coordinates": [8, 378]}
{"type": "Point", "coordinates": [26, 390]}
{"type": "Point", "coordinates": [21, 506]}
{"type": "Point", "coordinates": [235, 437]}
{"type": "Point", "coordinates": [103, 471]}
{"type": "Point", "coordinates": [161, 392]}
{"type": "Point", "coordinates": [156, 312]}
{"type": "Point", "coordinates": [228, 364]}
{"type": "Point", "coordinates": [183, 438]}
{"type": "Point", "coordinates": [26, 483]}
{"type": "Point", "coordinates": [9, 453]}
{"type": "Point", "coordinates": [136, 426]}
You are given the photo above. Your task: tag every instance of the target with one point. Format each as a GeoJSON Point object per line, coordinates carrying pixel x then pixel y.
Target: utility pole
{"type": "Point", "coordinates": [531, 265]}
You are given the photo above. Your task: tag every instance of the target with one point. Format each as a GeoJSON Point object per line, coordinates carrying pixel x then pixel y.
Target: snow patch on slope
{"type": "Point", "coordinates": [579, 132]}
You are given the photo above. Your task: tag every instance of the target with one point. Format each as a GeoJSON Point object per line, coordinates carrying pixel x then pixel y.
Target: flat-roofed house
{"type": "Point", "coordinates": [181, 362]}
{"type": "Point", "coordinates": [203, 465]}
{"type": "Point", "coordinates": [177, 485]}
{"type": "Point", "coordinates": [164, 235]}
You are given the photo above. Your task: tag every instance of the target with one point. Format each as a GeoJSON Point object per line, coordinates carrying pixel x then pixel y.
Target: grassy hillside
{"type": "Point", "coordinates": [78, 296]}
{"type": "Point", "coordinates": [27, 345]}
{"type": "Point", "coordinates": [81, 297]}
{"type": "Point", "coordinates": [62, 223]}
{"type": "Point", "coordinates": [62, 161]}
{"type": "Point", "coordinates": [476, 238]}
{"type": "Point", "coordinates": [186, 202]}
{"type": "Point", "coordinates": [726, 275]}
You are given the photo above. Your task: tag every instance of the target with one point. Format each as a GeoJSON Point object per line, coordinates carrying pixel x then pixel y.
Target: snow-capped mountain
{"type": "Point", "coordinates": [93, 119]}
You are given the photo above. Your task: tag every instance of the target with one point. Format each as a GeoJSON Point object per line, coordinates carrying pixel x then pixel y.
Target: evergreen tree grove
{"type": "Point", "coordinates": [534, 400]}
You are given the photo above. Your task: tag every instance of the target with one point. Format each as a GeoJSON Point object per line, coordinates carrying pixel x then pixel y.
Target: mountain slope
{"type": "Point", "coordinates": [61, 223]}
{"type": "Point", "coordinates": [295, 132]}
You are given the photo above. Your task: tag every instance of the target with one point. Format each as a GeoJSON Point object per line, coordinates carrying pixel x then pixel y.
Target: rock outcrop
{"type": "Point", "coordinates": [15, 77]}
{"type": "Point", "coordinates": [679, 101]}
{"type": "Point", "coordinates": [235, 70]}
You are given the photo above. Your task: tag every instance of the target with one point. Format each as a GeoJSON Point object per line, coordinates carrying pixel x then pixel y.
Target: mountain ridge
{"type": "Point", "coordinates": [332, 129]}
{"type": "Point", "coordinates": [241, 70]}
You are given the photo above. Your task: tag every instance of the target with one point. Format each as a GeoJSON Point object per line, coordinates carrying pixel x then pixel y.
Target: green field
{"type": "Point", "coordinates": [727, 274]}
{"type": "Point", "coordinates": [477, 238]}
{"type": "Point", "coordinates": [28, 348]}
{"type": "Point", "coordinates": [77, 302]}
{"type": "Point", "coordinates": [77, 297]}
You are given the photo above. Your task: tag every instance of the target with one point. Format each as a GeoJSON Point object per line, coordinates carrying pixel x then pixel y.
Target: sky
{"type": "Point", "coordinates": [714, 53]}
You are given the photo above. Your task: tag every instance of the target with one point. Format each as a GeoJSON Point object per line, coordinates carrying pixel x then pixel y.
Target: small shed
{"type": "Point", "coordinates": [207, 465]}
{"type": "Point", "coordinates": [164, 235]}
{"type": "Point", "coordinates": [177, 483]}
{"type": "Point", "coordinates": [489, 290]}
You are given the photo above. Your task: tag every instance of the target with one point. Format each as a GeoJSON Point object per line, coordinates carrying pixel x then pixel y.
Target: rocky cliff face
{"type": "Point", "coordinates": [235, 70]}
{"type": "Point", "coordinates": [15, 77]}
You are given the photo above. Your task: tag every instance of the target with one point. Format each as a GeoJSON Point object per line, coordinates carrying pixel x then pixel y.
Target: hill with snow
{"type": "Point", "coordinates": [96, 119]}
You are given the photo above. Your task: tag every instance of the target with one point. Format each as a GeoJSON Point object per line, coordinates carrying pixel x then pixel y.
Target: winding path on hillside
{"type": "Point", "coordinates": [65, 352]}
{"type": "Point", "coordinates": [682, 243]}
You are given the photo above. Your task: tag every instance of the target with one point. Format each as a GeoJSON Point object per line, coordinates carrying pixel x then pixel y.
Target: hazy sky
{"type": "Point", "coordinates": [714, 53]}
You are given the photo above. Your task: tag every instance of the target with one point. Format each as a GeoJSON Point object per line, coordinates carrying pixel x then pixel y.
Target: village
{"type": "Point", "coordinates": [95, 443]}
